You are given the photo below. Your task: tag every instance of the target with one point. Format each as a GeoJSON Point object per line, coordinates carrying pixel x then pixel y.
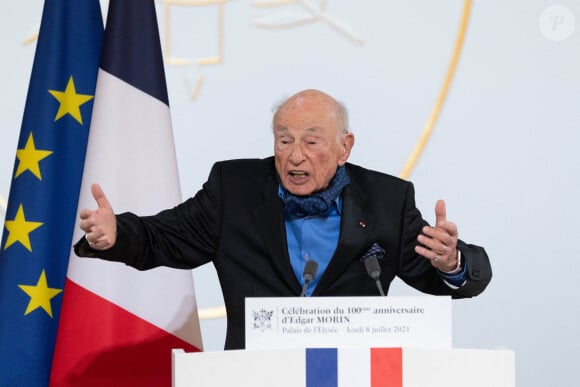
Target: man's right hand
{"type": "Point", "coordinates": [100, 225]}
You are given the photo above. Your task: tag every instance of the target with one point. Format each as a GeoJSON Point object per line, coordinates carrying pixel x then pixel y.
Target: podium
{"type": "Point", "coordinates": [348, 367]}
{"type": "Point", "coordinates": [346, 342]}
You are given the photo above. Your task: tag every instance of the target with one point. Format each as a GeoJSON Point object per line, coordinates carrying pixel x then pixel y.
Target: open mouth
{"type": "Point", "coordinates": [298, 174]}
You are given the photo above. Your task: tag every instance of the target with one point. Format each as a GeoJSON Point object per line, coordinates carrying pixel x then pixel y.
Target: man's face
{"type": "Point", "coordinates": [307, 146]}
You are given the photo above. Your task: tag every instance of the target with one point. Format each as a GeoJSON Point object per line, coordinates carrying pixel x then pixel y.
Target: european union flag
{"type": "Point", "coordinates": [44, 192]}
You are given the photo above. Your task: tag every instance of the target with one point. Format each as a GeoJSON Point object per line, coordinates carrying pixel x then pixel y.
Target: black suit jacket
{"type": "Point", "coordinates": [236, 221]}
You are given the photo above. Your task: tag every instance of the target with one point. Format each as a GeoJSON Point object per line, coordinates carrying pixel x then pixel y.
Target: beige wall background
{"type": "Point", "coordinates": [503, 152]}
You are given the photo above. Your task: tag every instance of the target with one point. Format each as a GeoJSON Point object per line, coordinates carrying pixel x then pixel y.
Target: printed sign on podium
{"type": "Point", "coordinates": [283, 322]}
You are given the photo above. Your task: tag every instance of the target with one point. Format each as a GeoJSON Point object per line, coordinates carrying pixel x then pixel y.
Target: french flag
{"type": "Point", "coordinates": [118, 325]}
{"type": "Point", "coordinates": [374, 367]}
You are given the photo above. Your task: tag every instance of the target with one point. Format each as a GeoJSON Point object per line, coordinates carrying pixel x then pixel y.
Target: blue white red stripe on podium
{"type": "Point", "coordinates": [374, 367]}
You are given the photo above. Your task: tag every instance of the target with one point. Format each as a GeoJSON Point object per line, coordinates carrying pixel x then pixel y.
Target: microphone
{"type": "Point", "coordinates": [371, 260]}
{"type": "Point", "coordinates": [308, 274]}
{"type": "Point", "coordinates": [374, 271]}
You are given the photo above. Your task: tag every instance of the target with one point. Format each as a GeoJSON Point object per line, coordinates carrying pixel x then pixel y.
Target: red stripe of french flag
{"type": "Point", "coordinates": [386, 367]}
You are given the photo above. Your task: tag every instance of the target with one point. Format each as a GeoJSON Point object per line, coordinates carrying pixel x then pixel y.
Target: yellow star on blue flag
{"type": "Point", "coordinates": [40, 295]}
{"type": "Point", "coordinates": [70, 101]}
{"type": "Point", "coordinates": [19, 230]}
{"type": "Point", "coordinates": [29, 158]}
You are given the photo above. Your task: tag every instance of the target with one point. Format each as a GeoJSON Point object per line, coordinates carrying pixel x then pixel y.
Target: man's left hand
{"type": "Point", "coordinates": [439, 243]}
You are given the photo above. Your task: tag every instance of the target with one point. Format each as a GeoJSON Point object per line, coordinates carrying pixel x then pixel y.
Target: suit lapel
{"type": "Point", "coordinates": [356, 226]}
{"type": "Point", "coordinates": [269, 216]}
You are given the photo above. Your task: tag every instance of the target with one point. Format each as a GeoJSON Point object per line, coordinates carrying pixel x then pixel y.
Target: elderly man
{"type": "Point", "coordinates": [260, 221]}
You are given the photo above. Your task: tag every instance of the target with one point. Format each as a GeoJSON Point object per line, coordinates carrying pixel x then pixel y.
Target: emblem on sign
{"type": "Point", "coordinates": [263, 319]}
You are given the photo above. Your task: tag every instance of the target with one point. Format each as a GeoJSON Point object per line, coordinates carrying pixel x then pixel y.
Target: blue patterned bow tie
{"type": "Point", "coordinates": [319, 202]}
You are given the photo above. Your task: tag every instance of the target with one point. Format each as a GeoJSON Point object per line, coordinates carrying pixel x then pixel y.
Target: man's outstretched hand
{"type": "Point", "coordinates": [439, 243]}
{"type": "Point", "coordinates": [100, 225]}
